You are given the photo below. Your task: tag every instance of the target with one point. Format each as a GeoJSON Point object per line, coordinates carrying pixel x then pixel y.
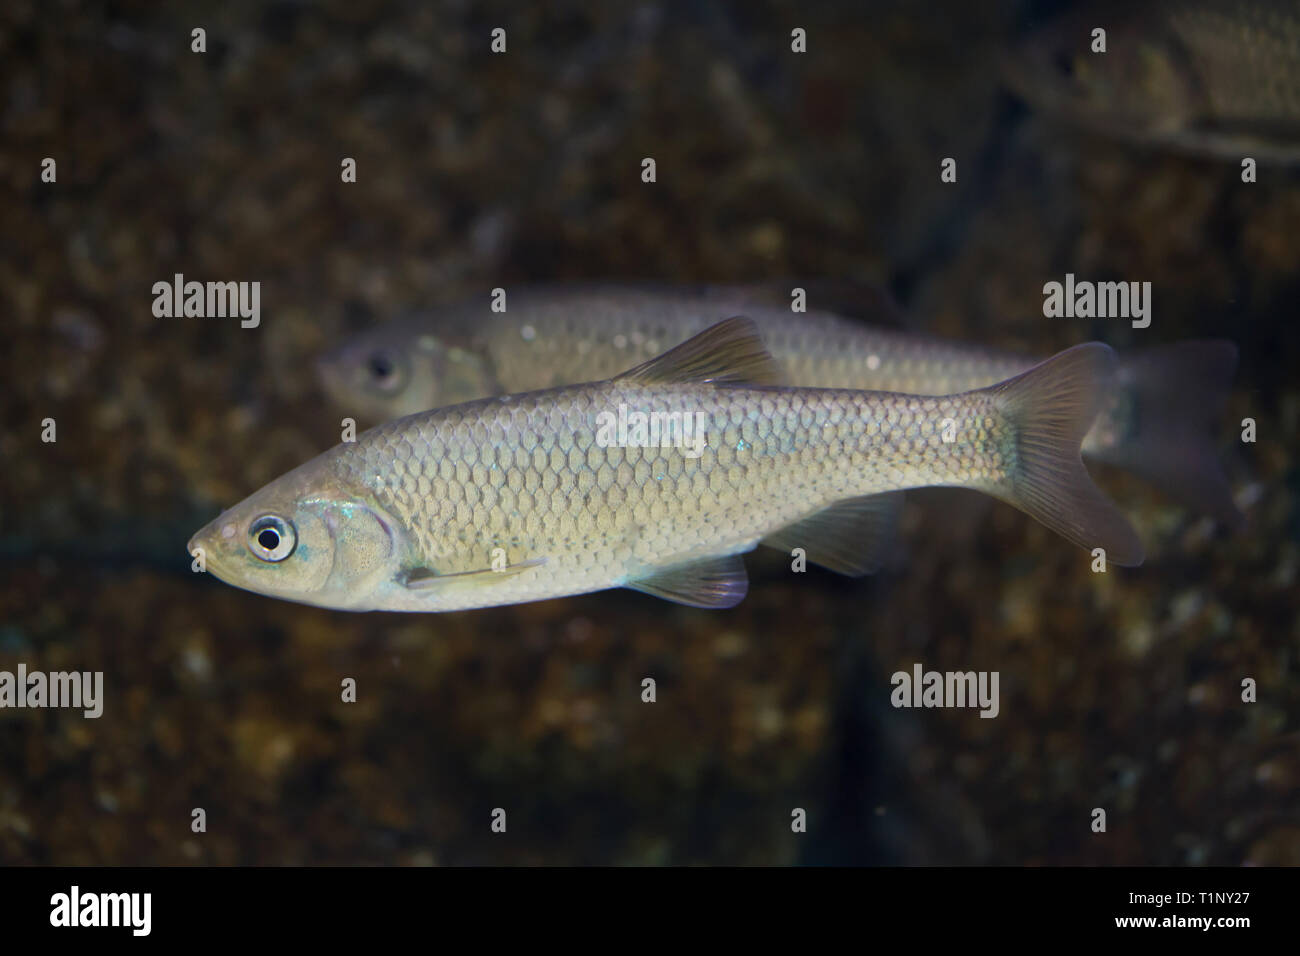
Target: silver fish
{"type": "Point", "coordinates": [539, 495]}
{"type": "Point", "coordinates": [1157, 422]}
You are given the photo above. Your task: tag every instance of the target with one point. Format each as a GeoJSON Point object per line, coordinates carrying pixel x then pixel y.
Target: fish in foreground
{"type": "Point", "coordinates": [1156, 423]}
{"type": "Point", "coordinates": [1211, 77]}
{"type": "Point", "coordinates": [518, 498]}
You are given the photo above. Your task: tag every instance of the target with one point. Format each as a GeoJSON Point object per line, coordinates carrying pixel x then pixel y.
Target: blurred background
{"type": "Point", "coordinates": [477, 170]}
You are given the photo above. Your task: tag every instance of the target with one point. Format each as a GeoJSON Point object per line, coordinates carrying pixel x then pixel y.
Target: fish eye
{"type": "Point", "coordinates": [271, 538]}
{"type": "Point", "coordinates": [1064, 63]}
{"type": "Point", "coordinates": [386, 370]}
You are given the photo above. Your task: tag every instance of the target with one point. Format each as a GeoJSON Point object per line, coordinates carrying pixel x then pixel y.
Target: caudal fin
{"type": "Point", "coordinates": [1161, 424]}
{"type": "Point", "coordinates": [1051, 407]}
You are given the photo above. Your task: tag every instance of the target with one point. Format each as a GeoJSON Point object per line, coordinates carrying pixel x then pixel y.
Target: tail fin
{"type": "Point", "coordinates": [1051, 407]}
{"type": "Point", "coordinates": [1161, 425]}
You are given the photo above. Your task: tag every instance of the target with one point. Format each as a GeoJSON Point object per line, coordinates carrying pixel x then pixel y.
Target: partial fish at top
{"type": "Point", "coordinates": [1212, 77]}
{"type": "Point", "coordinates": [1156, 422]}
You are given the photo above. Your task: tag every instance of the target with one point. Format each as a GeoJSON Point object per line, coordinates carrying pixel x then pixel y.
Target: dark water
{"type": "Point", "coordinates": [1119, 691]}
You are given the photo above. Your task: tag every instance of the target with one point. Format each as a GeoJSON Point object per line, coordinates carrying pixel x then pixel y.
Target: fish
{"type": "Point", "coordinates": [535, 496]}
{"type": "Point", "coordinates": [1157, 423]}
{"type": "Point", "coordinates": [1217, 78]}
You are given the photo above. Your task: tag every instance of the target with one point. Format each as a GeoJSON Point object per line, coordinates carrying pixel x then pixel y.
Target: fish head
{"type": "Point", "coordinates": [390, 373]}
{"type": "Point", "coordinates": [306, 537]}
{"type": "Point", "coordinates": [1142, 84]}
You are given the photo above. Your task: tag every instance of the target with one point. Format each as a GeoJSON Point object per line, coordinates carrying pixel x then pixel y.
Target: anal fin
{"type": "Point", "coordinates": [851, 537]}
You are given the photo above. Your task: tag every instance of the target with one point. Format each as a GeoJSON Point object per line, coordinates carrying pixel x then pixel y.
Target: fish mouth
{"type": "Point", "coordinates": [333, 381]}
{"type": "Point", "coordinates": [204, 538]}
{"type": "Point", "coordinates": [331, 366]}
{"type": "Point", "coordinates": [199, 540]}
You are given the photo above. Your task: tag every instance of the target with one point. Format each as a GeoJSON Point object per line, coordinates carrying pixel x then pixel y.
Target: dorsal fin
{"type": "Point", "coordinates": [729, 353]}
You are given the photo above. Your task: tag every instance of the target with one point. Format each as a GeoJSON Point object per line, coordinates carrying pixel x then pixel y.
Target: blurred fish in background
{"type": "Point", "coordinates": [1159, 421]}
{"type": "Point", "coordinates": [1211, 77]}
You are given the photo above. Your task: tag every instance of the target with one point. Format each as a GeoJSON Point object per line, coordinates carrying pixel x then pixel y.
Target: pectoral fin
{"type": "Point", "coordinates": [711, 582]}
{"type": "Point", "coordinates": [420, 579]}
{"type": "Point", "coordinates": [851, 537]}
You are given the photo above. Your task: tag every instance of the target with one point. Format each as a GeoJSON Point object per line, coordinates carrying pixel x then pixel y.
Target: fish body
{"type": "Point", "coordinates": [1213, 77]}
{"type": "Point", "coordinates": [1155, 422]}
{"type": "Point", "coordinates": [533, 496]}
{"type": "Point", "coordinates": [550, 336]}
